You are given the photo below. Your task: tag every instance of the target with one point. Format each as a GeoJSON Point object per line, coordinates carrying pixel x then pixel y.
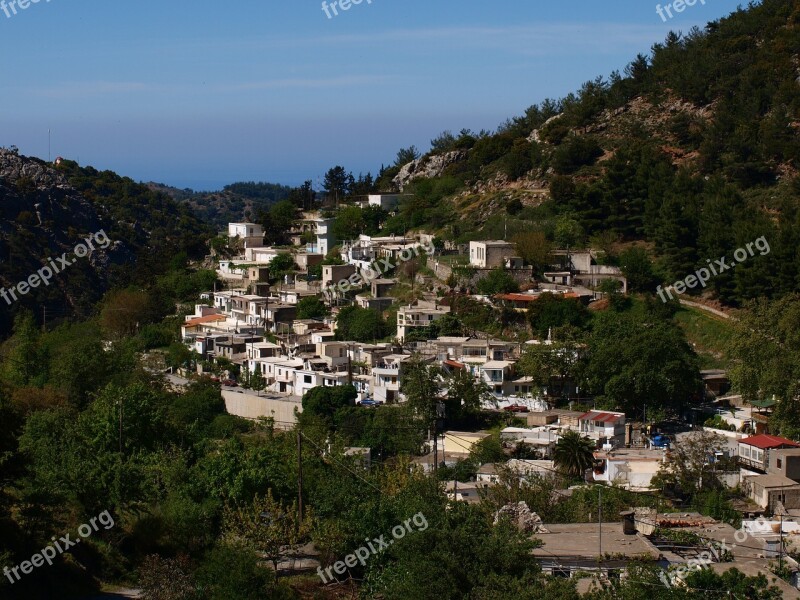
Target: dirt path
{"type": "Point", "coordinates": [713, 311]}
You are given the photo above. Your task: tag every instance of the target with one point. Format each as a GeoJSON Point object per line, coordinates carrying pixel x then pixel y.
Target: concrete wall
{"type": "Point", "coordinates": [252, 406]}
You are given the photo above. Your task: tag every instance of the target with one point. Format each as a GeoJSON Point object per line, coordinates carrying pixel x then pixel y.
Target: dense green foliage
{"type": "Point", "coordinates": [361, 325]}
{"type": "Point", "coordinates": [147, 235]}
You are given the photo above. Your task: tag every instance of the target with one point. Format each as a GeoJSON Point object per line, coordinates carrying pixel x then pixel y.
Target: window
{"type": "Point", "coordinates": [780, 463]}
{"type": "Point", "coordinates": [307, 379]}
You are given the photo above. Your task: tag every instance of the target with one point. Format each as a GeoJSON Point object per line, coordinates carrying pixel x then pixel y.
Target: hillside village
{"type": "Point", "coordinates": [555, 358]}
{"type": "Point", "coordinates": [251, 338]}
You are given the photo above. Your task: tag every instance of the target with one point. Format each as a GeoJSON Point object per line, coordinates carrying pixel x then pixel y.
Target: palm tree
{"type": "Point", "coordinates": [573, 454]}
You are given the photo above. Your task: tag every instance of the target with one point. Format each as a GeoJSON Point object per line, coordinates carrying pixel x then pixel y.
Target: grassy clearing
{"type": "Point", "coordinates": [708, 334]}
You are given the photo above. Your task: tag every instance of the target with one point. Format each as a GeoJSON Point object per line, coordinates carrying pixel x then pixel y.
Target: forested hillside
{"type": "Point", "coordinates": [46, 210]}
{"type": "Point", "coordinates": [693, 150]}
{"type": "Point", "coordinates": [234, 203]}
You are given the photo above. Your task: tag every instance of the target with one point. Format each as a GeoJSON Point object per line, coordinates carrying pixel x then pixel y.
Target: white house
{"type": "Point", "coordinates": [490, 254]}
{"type": "Point", "coordinates": [604, 427]}
{"type": "Point", "coordinates": [387, 202]}
{"type": "Point", "coordinates": [421, 314]}
{"type": "Point", "coordinates": [245, 231]}
{"type": "Point", "coordinates": [631, 468]}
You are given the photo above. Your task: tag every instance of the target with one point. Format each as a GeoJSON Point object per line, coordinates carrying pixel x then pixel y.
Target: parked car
{"type": "Point", "coordinates": [517, 408]}
{"type": "Point", "coordinates": [229, 383]}
{"type": "Point", "coordinates": [370, 403]}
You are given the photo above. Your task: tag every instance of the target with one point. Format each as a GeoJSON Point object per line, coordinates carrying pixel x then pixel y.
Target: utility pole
{"type": "Point", "coordinates": [435, 448]}
{"type": "Point", "coordinates": [300, 473]}
{"type": "Point", "coordinates": [120, 427]}
{"type": "Point", "coordinates": [780, 509]}
{"type": "Point", "coordinates": [600, 523]}
{"type": "Point", "coordinates": [349, 365]}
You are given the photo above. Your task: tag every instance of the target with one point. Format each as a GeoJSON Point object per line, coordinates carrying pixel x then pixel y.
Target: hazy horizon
{"type": "Point", "coordinates": [191, 95]}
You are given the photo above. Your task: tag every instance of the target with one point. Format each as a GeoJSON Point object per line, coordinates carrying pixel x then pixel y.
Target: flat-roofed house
{"type": "Point", "coordinates": [490, 254]}
{"type": "Point", "coordinates": [421, 314]}
{"type": "Point", "coordinates": [387, 202]}
{"type": "Point", "coordinates": [460, 442]}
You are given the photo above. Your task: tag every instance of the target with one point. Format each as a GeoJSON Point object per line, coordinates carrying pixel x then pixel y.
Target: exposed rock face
{"type": "Point", "coordinates": [521, 516]}
{"type": "Point", "coordinates": [431, 166]}
{"type": "Point", "coordinates": [31, 186]}
{"type": "Point", "coordinates": [14, 167]}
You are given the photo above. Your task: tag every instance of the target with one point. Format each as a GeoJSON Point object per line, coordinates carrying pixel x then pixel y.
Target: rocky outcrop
{"type": "Point", "coordinates": [522, 517]}
{"type": "Point", "coordinates": [14, 167]}
{"type": "Point", "coordinates": [426, 167]}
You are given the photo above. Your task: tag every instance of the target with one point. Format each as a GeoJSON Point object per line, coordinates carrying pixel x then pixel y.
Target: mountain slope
{"type": "Point", "coordinates": [235, 203]}
{"type": "Point", "coordinates": [693, 150]}
{"type": "Point", "coordinates": [46, 210]}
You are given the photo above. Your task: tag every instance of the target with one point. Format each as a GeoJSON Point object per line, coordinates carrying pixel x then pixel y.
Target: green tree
{"type": "Point", "coordinates": [465, 395]}
{"type": "Point", "coordinates": [231, 572]}
{"type": "Point", "coordinates": [279, 221]}
{"type": "Point", "coordinates": [23, 356]}
{"type": "Point", "coordinates": [326, 401]}
{"type": "Point", "coordinates": [551, 311]}
{"type": "Point", "coordinates": [124, 312]}
{"type": "Point", "coordinates": [534, 248]}
{"type": "Point", "coordinates": [497, 281]}
{"type": "Point", "coordinates": [560, 361]}
{"type": "Point", "coordinates": [419, 385]}
{"type": "Point", "coordinates": [281, 265]}
{"type": "Point", "coordinates": [266, 526]}
{"type": "Point", "coordinates": [638, 270]}
{"type": "Point", "coordinates": [311, 308]}
{"type": "Point", "coordinates": [568, 232]}
{"type": "Point", "coordinates": [196, 408]}
{"type": "Point", "coordinates": [573, 453]}
{"type": "Point", "coordinates": [574, 153]}
{"type": "Point", "coordinates": [639, 361]}
{"type": "Point", "coordinates": [406, 155]}
{"type": "Point", "coordinates": [348, 223]}
{"type": "Point", "coordinates": [360, 325]}
{"type": "Point", "coordinates": [337, 184]}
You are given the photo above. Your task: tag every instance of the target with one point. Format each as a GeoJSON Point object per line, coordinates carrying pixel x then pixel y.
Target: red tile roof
{"type": "Point", "coordinates": [765, 441]}
{"type": "Point", "coordinates": [594, 415]}
{"type": "Point", "coordinates": [454, 364]}
{"type": "Point", "coordinates": [201, 320]}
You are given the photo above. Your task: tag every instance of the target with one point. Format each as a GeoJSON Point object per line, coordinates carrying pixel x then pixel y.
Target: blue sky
{"type": "Point", "coordinates": [199, 94]}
